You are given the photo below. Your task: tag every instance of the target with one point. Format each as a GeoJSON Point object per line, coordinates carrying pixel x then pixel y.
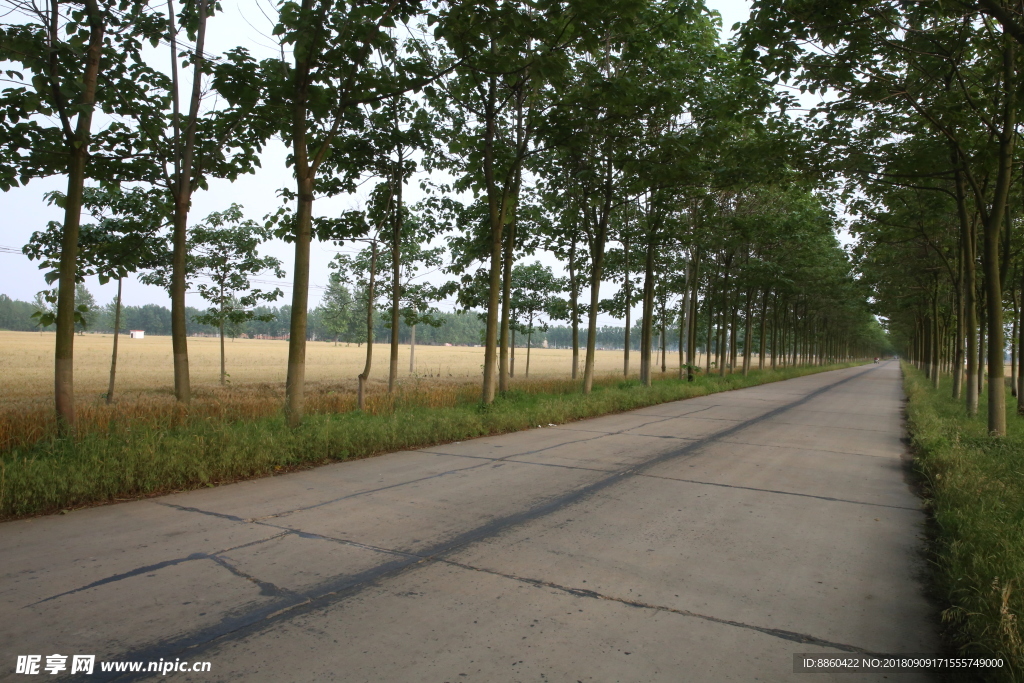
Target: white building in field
{"type": "Point", "coordinates": [137, 334]}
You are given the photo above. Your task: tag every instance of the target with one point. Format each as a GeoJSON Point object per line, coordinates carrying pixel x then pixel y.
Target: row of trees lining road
{"type": "Point", "coordinates": [623, 137]}
{"type": "Point", "coordinates": [922, 122]}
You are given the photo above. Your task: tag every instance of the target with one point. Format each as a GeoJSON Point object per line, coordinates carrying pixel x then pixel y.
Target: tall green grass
{"type": "Point", "coordinates": [974, 484]}
{"type": "Point", "coordinates": [132, 460]}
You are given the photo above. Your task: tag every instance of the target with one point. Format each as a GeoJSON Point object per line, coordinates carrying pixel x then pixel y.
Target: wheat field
{"type": "Point", "coordinates": [443, 376]}
{"type": "Point", "coordinates": [144, 365]}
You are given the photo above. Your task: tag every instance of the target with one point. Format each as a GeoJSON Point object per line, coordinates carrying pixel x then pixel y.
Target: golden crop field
{"type": "Point", "coordinates": [144, 365]}
{"type": "Point", "coordinates": [256, 369]}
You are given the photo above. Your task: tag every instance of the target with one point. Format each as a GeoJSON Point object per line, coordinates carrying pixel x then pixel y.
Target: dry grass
{"type": "Point", "coordinates": [445, 376]}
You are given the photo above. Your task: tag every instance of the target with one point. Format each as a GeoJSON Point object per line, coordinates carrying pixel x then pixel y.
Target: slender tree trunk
{"type": "Point", "coordinates": [600, 226]}
{"type": "Point", "coordinates": [958, 343]}
{"type": "Point", "coordinates": [734, 338]}
{"type": "Point", "coordinates": [371, 295]}
{"type": "Point", "coordinates": [709, 299]}
{"type": "Point", "coordinates": [305, 175]}
{"type": "Point", "coordinates": [764, 319]}
{"type": "Point", "coordinates": [412, 349]}
{"type": "Point", "coordinates": [1020, 354]}
{"type": "Point", "coordinates": [628, 292]}
{"type": "Point", "coordinates": [983, 314]}
{"type": "Point", "coordinates": [936, 378]}
{"type": "Point", "coordinates": [775, 326]}
{"type": "Point", "coordinates": [295, 386]}
{"type": "Point", "coordinates": [78, 152]}
{"type": "Point", "coordinates": [574, 308]}
{"type": "Point", "coordinates": [181, 191]}
{"type": "Point", "coordinates": [662, 331]}
{"type": "Point", "coordinates": [113, 355]}
{"type": "Point", "coordinates": [498, 205]}
{"type": "Point", "coordinates": [1013, 343]}
{"type": "Point", "coordinates": [648, 315]}
{"type": "Point", "coordinates": [493, 304]}
{"type": "Point", "coordinates": [684, 310]}
{"type": "Point", "coordinates": [969, 288]}
{"type": "Point", "coordinates": [396, 272]}
{"type": "Point", "coordinates": [529, 343]}
{"type": "Point", "coordinates": [991, 256]}
{"type": "Point", "coordinates": [691, 333]}
{"type": "Point", "coordinates": [223, 365]}
{"type": "Point", "coordinates": [747, 329]}
{"type": "Point", "coordinates": [504, 368]}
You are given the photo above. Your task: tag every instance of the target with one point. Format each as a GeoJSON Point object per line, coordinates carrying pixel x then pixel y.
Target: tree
{"type": "Point", "coordinates": [533, 288]}
{"type": "Point", "coordinates": [43, 314]}
{"type": "Point", "coordinates": [78, 55]}
{"type": "Point", "coordinates": [125, 238]}
{"type": "Point", "coordinates": [495, 101]}
{"type": "Point", "coordinates": [360, 271]}
{"type": "Point", "coordinates": [343, 56]}
{"type": "Point", "coordinates": [223, 248]}
{"type": "Point", "coordinates": [85, 303]}
{"type": "Point", "coordinates": [336, 307]}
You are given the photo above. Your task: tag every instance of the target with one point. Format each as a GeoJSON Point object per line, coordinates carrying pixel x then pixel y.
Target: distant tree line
{"type": "Point", "coordinates": [460, 329]}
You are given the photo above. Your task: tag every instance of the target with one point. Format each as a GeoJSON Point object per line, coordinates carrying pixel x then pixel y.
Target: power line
{"type": "Point", "coordinates": [10, 250]}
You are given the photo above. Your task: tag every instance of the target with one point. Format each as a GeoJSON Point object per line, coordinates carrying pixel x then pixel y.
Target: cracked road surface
{"type": "Point", "coordinates": [702, 540]}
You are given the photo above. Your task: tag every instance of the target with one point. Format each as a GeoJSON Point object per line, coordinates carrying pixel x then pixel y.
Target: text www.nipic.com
{"type": "Point", "coordinates": [84, 664]}
{"type": "Point", "coordinates": [161, 667]}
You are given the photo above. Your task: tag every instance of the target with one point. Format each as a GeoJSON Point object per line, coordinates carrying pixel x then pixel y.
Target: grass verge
{"type": "Point", "coordinates": [974, 484]}
{"type": "Point", "coordinates": [130, 460]}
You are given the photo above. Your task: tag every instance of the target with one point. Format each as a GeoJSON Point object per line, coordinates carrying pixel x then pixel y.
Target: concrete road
{"type": "Point", "coordinates": [703, 540]}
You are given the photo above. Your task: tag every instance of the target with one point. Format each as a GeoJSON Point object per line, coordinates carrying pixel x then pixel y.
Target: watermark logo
{"type": "Point", "coordinates": [86, 664]}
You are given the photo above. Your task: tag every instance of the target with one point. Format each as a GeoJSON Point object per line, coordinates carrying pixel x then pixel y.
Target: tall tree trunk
{"type": "Point", "coordinates": [969, 288]}
{"type": "Point", "coordinates": [764, 319]}
{"type": "Point", "coordinates": [747, 329]}
{"type": "Point", "coordinates": [305, 175]}
{"type": "Point", "coordinates": [396, 272]}
{"type": "Point", "coordinates": [627, 285]}
{"type": "Point", "coordinates": [370, 298]}
{"type": "Point", "coordinates": [691, 336]}
{"type": "Point", "coordinates": [1020, 353]}
{"type": "Point", "coordinates": [113, 355]}
{"type": "Point", "coordinates": [936, 372]}
{"type": "Point", "coordinates": [493, 305]}
{"type": "Point", "coordinates": [78, 151]}
{"type": "Point", "coordinates": [412, 349]}
{"type": "Point", "coordinates": [223, 365]}
{"type": "Point", "coordinates": [957, 365]}
{"type": "Point", "coordinates": [662, 330]}
{"type": "Point", "coordinates": [991, 256]}
{"type": "Point", "coordinates": [181, 191]}
{"type": "Point", "coordinates": [684, 310]}
{"type": "Point", "coordinates": [982, 315]}
{"type": "Point", "coordinates": [295, 386]}
{"type": "Point", "coordinates": [600, 227]}
{"type": "Point", "coordinates": [734, 338]}
{"type": "Point", "coordinates": [498, 204]}
{"type": "Point", "coordinates": [1013, 344]}
{"type": "Point", "coordinates": [709, 298]}
{"type": "Point", "coordinates": [504, 368]}
{"type": "Point", "coordinates": [529, 343]}
{"type": "Point", "coordinates": [648, 314]}
{"type": "Point", "coordinates": [775, 326]}
{"type": "Point", "coordinates": [574, 307]}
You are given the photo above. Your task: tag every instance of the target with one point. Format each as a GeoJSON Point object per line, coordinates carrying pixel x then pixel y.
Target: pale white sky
{"type": "Point", "coordinates": [241, 23]}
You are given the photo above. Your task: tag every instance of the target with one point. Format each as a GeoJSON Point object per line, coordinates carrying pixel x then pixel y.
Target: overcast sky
{"type": "Point", "coordinates": [242, 23]}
